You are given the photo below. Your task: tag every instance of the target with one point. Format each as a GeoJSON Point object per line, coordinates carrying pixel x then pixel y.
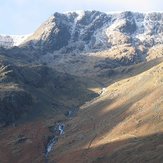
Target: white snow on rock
{"type": "Point", "coordinates": [18, 39]}
{"type": "Point", "coordinates": [81, 14]}
{"type": "Point", "coordinates": [8, 41]}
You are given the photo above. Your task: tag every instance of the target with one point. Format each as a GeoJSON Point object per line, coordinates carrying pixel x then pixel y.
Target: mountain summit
{"type": "Point", "coordinates": [94, 30]}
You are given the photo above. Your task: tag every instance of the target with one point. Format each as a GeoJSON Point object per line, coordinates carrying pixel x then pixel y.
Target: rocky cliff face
{"type": "Point", "coordinates": [94, 30]}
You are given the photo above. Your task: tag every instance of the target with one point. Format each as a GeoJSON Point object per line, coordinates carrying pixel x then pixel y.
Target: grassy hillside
{"type": "Point", "coordinates": [124, 124]}
{"type": "Point", "coordinates": [32, 90]}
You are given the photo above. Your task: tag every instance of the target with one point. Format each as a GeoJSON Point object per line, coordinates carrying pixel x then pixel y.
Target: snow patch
{"type": "Point", "coordinates": [18, 39]}
{"type": "Point", "coordinates": [8, 41]}
{"type": "Point", "coordinates": [81, 14]}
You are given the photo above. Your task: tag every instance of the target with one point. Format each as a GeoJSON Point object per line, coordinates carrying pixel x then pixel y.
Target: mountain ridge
{"type": "Point", "coordinates": [90, 21]}
{"type": "Point", "coordinates": [78, 15]}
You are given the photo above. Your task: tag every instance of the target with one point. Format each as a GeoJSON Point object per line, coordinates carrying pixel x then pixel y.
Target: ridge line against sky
{"type": "Point", "coordinates": [25, 16]}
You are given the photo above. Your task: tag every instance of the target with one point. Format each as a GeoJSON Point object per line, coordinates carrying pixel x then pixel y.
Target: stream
{"type": "Point", "coordinates": [56, 130]}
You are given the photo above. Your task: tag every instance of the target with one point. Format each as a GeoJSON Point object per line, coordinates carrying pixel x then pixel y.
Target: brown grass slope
{"type": "Point", "coordinates": [124, 124]}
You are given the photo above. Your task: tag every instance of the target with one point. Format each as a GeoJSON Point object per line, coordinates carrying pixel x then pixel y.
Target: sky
{"type": "Point", "coordinates": [25, 16]}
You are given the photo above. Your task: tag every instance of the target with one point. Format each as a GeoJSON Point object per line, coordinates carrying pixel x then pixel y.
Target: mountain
{"type": "Point", "coordinates": [136, 35]}
{"type": "Point", "coordinates": [67, 40]}
{"type": "Point", "coordinates": [94, 30]}
{"type": "Point", "coordinates": [86, 86]}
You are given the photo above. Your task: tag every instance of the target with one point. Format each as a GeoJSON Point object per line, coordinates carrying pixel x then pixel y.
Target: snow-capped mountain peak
{"type": "Point", "coordinates": [93, 30]}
